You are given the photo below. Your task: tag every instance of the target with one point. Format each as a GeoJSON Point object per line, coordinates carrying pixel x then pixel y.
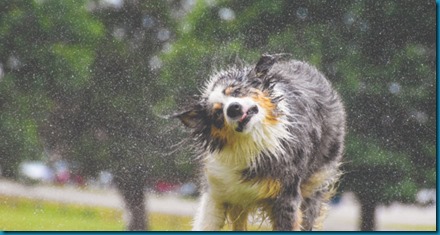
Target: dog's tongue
{"type": "Point", "coordinates": [243, 117]}
{"type": "Point", "coordinates": [242, 122]}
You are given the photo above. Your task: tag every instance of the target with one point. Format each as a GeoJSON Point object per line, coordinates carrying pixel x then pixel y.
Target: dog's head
{"type": "Point", "coordinates": [236, 104]}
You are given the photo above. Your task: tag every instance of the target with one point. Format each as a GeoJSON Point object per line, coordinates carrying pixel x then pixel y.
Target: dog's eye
{"type": "Point", "coordinates": [236, 92]}
{"type": "Point", "coordinates": [218, 118]}
{"type": "Point", "coordinates": [218, 113]}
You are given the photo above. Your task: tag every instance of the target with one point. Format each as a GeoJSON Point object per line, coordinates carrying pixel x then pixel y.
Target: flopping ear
{"type": "Point", "coordinates": [266, 62]}
{"type": "Point", "coordinates": [190, 118]}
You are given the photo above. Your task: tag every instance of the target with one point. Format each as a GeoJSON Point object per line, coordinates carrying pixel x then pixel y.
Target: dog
{"type": "Point", "coordinates": [270, 137]}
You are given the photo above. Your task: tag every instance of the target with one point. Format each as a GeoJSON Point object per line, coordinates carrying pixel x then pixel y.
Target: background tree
{"type": "Point", "coordinates": [45, 61]}
{"type": "Point", "coordinates": [77, 83]}
{"type": "Point", "coordinates": [380, 55]}
{"type": "Point", "coordinates": [115, 127]}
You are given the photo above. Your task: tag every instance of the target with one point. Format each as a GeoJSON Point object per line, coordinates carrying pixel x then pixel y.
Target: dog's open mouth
{"type": "Point", "coordinates": [246, 117]}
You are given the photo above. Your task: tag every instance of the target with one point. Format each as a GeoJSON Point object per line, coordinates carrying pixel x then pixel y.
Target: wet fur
{"type": "Point", "coordinates": [285, 161]}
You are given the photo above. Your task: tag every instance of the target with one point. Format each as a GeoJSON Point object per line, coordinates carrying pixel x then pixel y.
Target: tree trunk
{"type": "Point", "coordinates": [130, 176]}
{"type": "Point", "coordinates": [368, 215]}
{"type": "Point", "coordinates": [134, 200]}
{"type": "Point", "coordinates": [132, 192]}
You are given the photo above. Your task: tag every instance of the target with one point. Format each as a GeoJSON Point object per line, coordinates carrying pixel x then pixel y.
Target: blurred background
{"type": "Point", "coordinates": [86, 87]}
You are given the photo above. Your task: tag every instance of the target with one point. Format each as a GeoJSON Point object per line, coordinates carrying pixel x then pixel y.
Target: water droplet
{"type": "Point", "coordinates": [302, 13]}
{"type": "Point", "coordinates": [163, 35]}
{"type": "Point", "coordinates": [226, 14]}
{"type": "Point", "coordinates": [155, 63]}
{"type": "Point", "coordinates": [148, 22]}
{"type": "Point", "coordinates": [349, 18]}
{"type": "Point", "coordinates": [394, 88]}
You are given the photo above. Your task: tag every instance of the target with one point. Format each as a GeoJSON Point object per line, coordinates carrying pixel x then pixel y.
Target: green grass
{"type": "Point", "coordinates": [19, 214]}
{"type": "Point", "coordinates": [405, 227]}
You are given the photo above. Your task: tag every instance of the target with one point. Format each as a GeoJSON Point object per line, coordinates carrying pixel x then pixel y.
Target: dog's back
{"type": "Point", "coordinates": [271, 137]}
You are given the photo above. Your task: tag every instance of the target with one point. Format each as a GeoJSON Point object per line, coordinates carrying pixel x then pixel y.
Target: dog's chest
{"type": "Point", "coordinates": [226, 184]}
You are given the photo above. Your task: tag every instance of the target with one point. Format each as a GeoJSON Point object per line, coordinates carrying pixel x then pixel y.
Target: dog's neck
{"type": "Point", "coordinates": [243, 151]}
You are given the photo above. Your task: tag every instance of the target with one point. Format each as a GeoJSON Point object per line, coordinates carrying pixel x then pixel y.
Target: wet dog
{"type": "Point", "coordinates": [271, 137]}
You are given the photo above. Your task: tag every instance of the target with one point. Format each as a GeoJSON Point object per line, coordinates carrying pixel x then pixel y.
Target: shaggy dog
{"type": "Point", "coordinates": [271, 137]}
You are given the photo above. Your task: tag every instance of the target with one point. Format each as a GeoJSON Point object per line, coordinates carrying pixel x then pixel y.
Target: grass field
{"type": "Point", "coordinates": [18, 214]}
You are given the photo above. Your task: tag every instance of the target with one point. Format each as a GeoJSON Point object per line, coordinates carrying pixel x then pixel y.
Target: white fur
{"type": "Point", "coordinates": [210, 215]}
{"type": "Point", "coordinates": [216, 96]}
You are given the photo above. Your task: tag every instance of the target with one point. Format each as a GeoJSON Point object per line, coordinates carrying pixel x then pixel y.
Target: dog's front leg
{"type": "Point", "coordinates": [210, 215]}
{"type": "Point", "coordinates": [238, 216]}
{"type": "Point", "coordinates": [286, 214]}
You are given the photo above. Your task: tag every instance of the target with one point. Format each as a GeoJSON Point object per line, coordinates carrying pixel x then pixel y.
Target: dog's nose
{"type": "Point", "coordinates": [234, 110]}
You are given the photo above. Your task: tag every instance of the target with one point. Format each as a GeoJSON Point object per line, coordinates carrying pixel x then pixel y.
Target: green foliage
{"type": "Point", "coordinates": [78, 82]}
{"type": "Point", "coordinates": [46, 50]}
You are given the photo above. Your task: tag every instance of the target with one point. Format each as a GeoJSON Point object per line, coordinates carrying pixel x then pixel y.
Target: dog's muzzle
{"type": "Point", "coordinates": [235, 111]}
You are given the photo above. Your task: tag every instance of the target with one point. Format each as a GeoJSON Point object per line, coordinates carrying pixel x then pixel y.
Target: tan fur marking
{"type": "Point", "coordinates": [229, 90]}
{"type": "Point", "coordinates": [234, 143]}
{"type": "Point", "coordinates": [269, 188]}
{"type": "Point", "coordinates": [314, 182]}
{"type": "Point", "coordinates": [226, 133]}
{"type": "Point", "coordinates": [266, 103]}
{"type": "Point", "coordinates": [238, 217]}
{"type": "Point", "coordinates": [319, 221]}
{"type": "Point", "coordinates": [217, 106]}
{"type": "Point", "coordinates": [298, 221]}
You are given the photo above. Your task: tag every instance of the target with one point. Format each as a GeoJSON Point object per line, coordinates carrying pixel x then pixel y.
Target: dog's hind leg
{"type": "Point", "coordinates": [311, 208]}
{"type": "Point", "coordinates": [238, 216]}
{"type": "Point", "coordinates": [210, 215]}
{"type": "Point", "coordinates": [286, 214]}
{"type": "Point", "coordinates": [315, 209]}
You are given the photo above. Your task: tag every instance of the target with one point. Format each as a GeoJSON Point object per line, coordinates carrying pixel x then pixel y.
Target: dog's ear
{"type": "Point", "coordinates": [265, 63]}
{"type": "Point", "coordinates": [190, 118]}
